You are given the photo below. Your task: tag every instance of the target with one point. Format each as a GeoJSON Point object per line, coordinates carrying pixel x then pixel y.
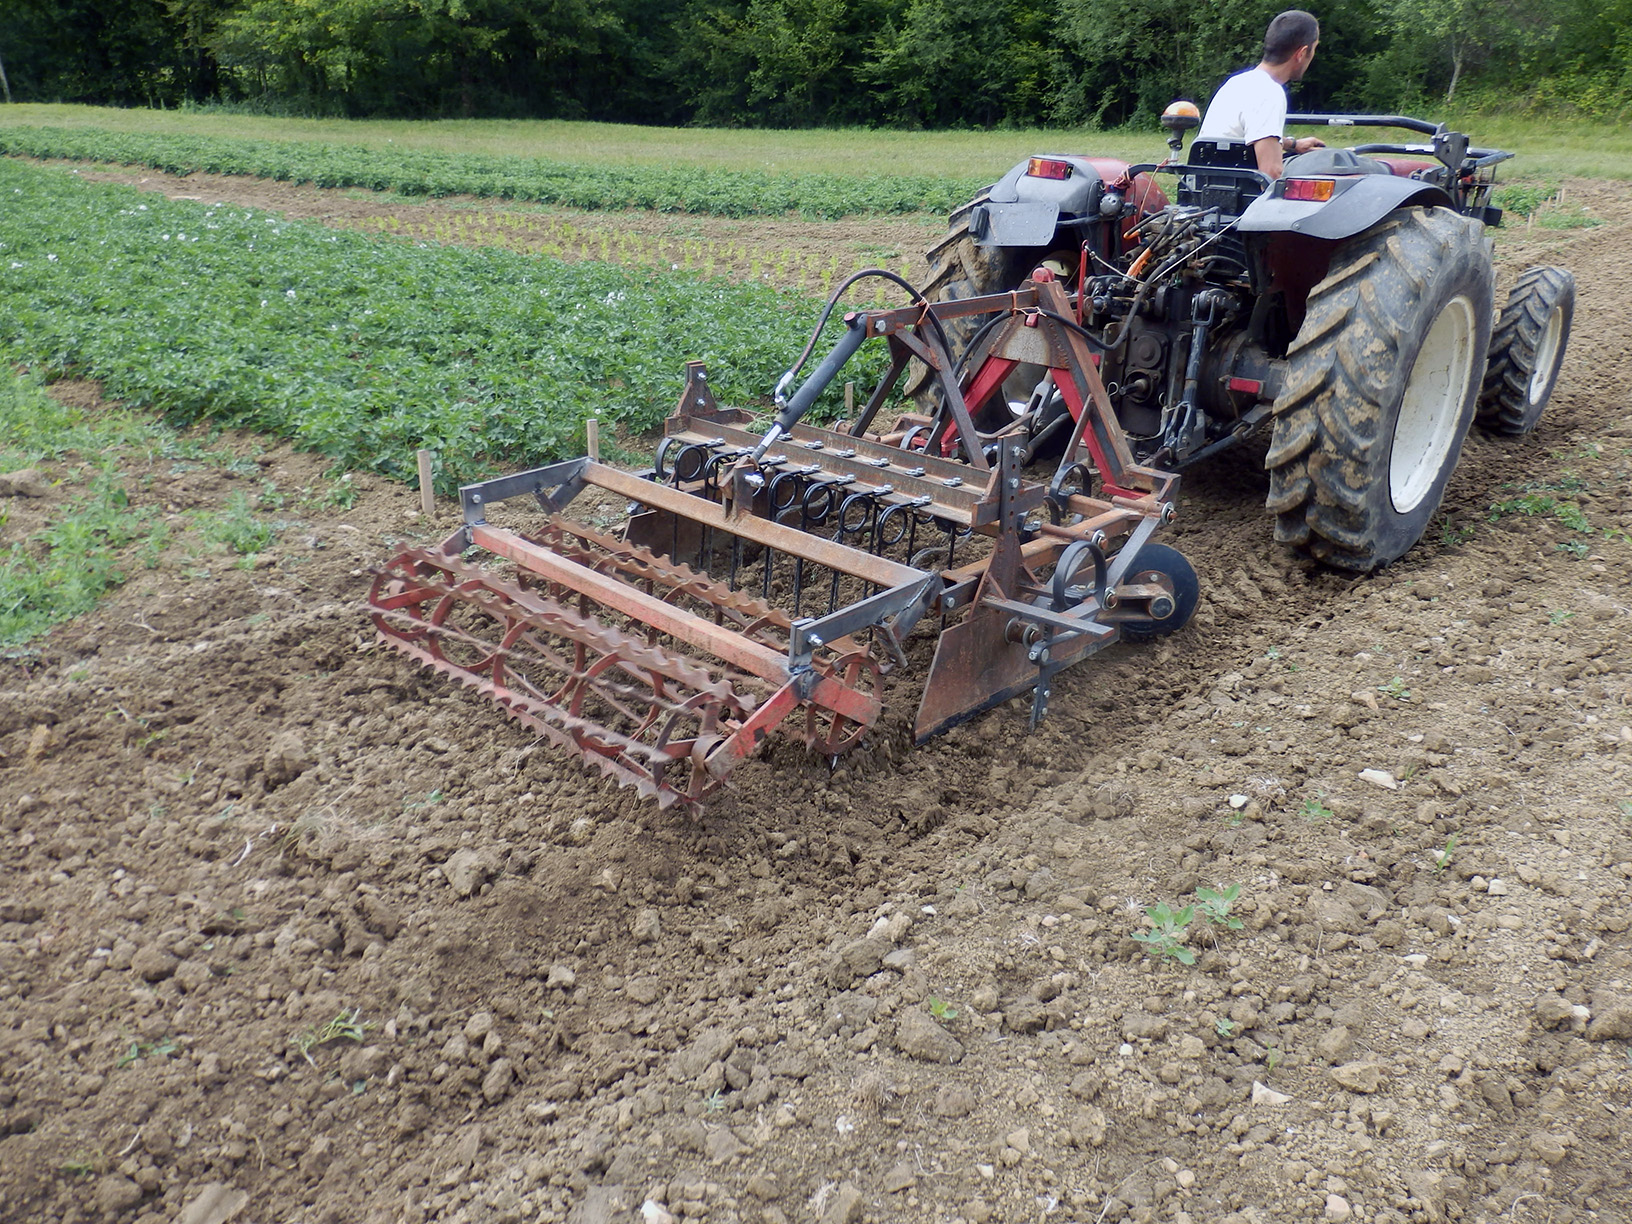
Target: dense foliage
{"type": "Point", "coordinates": [362, 348]}
{"type": "Point", "coordinates": [797, 62]}
{"type": "Point", "coordinates": [724, 193]}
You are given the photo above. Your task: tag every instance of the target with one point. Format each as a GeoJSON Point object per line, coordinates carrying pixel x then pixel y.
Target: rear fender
{"type": "Point", "coordinates": [1074, 195]}
{"type": "Point", "coordinates": [1358, 202]}
{"type": "Point", "coordinates": [1023, 211]}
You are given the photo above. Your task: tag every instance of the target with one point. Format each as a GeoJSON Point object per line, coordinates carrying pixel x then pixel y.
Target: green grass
{"type": "Point", "coordinates": [1546, 146]}
{"type": "Point", "coordinates": [846, 152]}
{"type": "Point", "coordinates": [94, 534]}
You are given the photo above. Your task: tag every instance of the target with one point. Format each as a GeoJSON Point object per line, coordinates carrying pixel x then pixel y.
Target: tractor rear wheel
{"type": "Point", "coordinates": [1381, 384]}
{"type": "Point", "coordinates": [961, 268]}
{"type": "Point", "coordinates": [1526, 350]}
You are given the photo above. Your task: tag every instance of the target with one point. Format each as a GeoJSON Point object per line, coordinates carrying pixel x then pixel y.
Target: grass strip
{"type": "Point", "coordinates": [86, 548]}
{"type": "Point", "coordinates": [669, 189]}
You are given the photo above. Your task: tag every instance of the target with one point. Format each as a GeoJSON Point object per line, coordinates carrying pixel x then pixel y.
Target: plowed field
{"type": "Point", "coordinates": [291, 931]}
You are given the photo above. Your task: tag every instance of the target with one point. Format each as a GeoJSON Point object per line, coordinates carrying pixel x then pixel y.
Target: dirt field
{"type": "Point", "coordinates": [292, 932]}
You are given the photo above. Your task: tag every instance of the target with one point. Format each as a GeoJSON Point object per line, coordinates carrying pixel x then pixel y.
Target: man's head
{"type": "Point", "coordinates": [1290, 42]}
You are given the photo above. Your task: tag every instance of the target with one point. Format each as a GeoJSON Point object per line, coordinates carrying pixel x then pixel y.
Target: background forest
{"type": "Point", "coordinates": [799, 63]}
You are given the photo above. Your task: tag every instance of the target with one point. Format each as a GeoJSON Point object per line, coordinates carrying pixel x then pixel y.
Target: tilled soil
{"type": "Point", "coordinates": [291, 930]}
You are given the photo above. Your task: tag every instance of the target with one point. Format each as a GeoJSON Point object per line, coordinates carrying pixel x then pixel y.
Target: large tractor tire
{"type": "Point", "coordinates": [1526, 350]}
{"type": "Point", "coordinates": [961, 268]}
{"type": "Point", "coordinates": [1381, 385]}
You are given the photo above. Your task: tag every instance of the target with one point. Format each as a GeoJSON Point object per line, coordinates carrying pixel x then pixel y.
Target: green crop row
{"type": "Point", "coordinates": [361, 347]}
{"type": "Point", "coordinates": [676, 189]}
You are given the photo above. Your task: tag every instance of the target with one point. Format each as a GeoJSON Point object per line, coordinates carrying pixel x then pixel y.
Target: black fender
{"type": "Point", "coordinates": [1358, 202]}
{"type": "Point", "coordinates": [1023, 211]}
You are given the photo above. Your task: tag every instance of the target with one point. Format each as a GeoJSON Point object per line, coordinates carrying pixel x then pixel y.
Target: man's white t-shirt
{"type": "Point", "coordinates": [1249, 106]}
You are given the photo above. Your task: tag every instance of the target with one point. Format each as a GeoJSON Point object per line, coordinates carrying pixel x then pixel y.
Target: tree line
{"type": "Point", "coordinates": [799, 63]}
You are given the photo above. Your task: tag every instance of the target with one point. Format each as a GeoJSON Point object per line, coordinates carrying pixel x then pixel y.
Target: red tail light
{"type": "Point", "coordinates": [1048, 167]}
{"type": "Point", "coordinates": [1317, 190]}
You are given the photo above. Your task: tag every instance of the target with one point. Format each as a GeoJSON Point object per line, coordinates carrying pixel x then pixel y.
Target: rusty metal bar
{"type": "Point", "coordinates": [878, 570]}
{"type": "Point", "coordinates": [723, 643]}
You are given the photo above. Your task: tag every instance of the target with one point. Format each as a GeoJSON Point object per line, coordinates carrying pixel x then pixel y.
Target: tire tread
{"type": "Point", "coordinates": [1330, 418]}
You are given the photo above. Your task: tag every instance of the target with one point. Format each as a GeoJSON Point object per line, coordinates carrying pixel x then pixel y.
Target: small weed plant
{"type": "Point", "coordinates": [1539, 503]}
{"type": "Point", "coordinates": [1169, 927]}
{"type": "Point", "coordinates": [84, 1164]}
{"type": "Point", "coordinates": [1315, 810]}
{"type": "Point", "coordinates": [1215, 907]}
{"type": "Point", "coordinates": [164, 1047]}
{"type": "Point", "coordinates": [1454, 535]}
{"type": "Point", "coordinates": [1224, 1027]}
{"type": "Point", "coordinates": [1165, 939]}
{"type": "Point", "coordinates": [346, 1026]}
{"type": "Point", "coordinates": [1443, 857]}
{"type": "Point", "coordinates": [237, 527]}
{"type": "Point", "coordinates": [941, 1009]}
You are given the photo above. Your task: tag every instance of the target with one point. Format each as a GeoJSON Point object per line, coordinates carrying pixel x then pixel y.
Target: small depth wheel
{"type": "Point", "coordinates": [1157, 563]}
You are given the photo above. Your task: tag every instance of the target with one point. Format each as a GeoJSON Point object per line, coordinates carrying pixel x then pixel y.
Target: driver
{"type": "Point", "coordinates": [1251, 105]}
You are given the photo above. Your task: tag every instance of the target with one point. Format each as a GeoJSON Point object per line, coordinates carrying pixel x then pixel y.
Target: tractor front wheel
{"type": "Point", "coordinates": [1381, 385]}
{"type": "Point", "coordinates": [1526, 350]}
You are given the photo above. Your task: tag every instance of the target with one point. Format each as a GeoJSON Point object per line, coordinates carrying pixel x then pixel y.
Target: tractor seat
{"type": "Point", "coordinates": [1331, 161]}
{"type": "Point", "coordinates": [1232, 153]}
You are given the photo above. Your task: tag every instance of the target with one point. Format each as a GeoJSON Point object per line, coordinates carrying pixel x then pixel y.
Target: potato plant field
{"type": "Point", "coordinates": [363, 348]}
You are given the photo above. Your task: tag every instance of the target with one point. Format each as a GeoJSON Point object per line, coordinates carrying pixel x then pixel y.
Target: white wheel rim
{"type": "Point", "coordinates": [1541, 374]}
{"type": "Point", "coordinates": [1021, 386]}
{"type": "Point", "coordinates": [1431, 410]}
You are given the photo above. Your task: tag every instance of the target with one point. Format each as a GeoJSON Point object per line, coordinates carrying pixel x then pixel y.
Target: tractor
{"type": "Point", "coordinates": [1092, 329]}
{"type": "Point", "coordinates": [1346, 308]}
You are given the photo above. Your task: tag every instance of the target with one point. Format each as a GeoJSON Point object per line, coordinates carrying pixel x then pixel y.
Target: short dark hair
{"type": "Point", "coordinates": [1291, 30]}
